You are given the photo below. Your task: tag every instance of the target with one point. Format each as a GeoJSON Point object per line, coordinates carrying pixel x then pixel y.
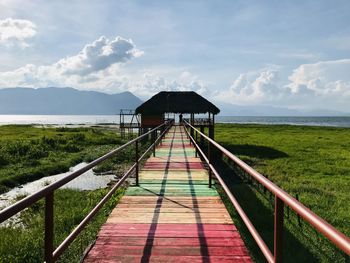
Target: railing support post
{"type": "Point", "coordinates": [278, 233]}
{"type": "Point", "coordinates": [209, 171]}
{"type": "Point", "coordinates": [154, 144]}
{"type": "Point", "coordinates": [137, 162]}
{"type": "Point", "coordinates": [49, 228]}
{"type": "Point", "coordinates": [195, 139]}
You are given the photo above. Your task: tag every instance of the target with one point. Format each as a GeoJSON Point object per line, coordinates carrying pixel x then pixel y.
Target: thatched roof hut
{"type": "Point", "coordinates": [177, 102]}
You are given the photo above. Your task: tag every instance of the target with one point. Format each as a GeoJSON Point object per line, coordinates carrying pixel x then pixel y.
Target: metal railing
{"type": "Point", "coordinates": [47, 192]}
{"type": "Point", "coordinates": [281, 198]}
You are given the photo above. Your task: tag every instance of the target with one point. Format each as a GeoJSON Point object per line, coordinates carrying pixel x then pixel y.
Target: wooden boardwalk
{"type": "Point", "coordinates": [172, 216]}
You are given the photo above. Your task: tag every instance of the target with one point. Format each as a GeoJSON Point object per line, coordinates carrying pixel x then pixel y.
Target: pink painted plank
{"type": "Point", "coordinates": [169, 241]}
{"type": "Point", "coordinates": [183, 227]}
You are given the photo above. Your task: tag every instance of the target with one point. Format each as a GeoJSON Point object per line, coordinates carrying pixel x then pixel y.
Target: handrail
{"type": "Point", "coordinates": [47, 192]}
{"type": "Point", "coordinates": [262, 245]}
{"type": "Point", "coordinates": [281, 197]}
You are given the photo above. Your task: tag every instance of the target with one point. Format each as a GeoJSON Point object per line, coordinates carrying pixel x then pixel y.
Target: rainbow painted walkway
{"type": "Point", "coordinates": [172, 216]}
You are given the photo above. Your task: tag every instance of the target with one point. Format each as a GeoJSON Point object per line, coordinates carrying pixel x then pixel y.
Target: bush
{"type": "Point", "coordinates": [3, 158]}
{"type": "Point", "coordinates": [70, 147]}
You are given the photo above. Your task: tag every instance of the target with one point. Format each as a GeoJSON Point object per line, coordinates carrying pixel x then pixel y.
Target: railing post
{"type": "Point", "coordinates": [154, 144]}
{"type": "Point", "coordinates": [137, 162]}
{"type": "Point", "coordinates": [49, 228]}
{"type": "Point", "coordinates": [278, 233]}
{"type": "Point", "coordinates": [209, 158]}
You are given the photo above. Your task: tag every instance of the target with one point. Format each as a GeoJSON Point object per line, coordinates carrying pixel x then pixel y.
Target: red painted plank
{"type": "Point", "coordinates": [177, 259]}
{"type": "Point", "coordinates": [174, 259]}
{"type": "Point", "coordinates": [112, 251]}
{"type": "Point", "coordinates": [156, 233]}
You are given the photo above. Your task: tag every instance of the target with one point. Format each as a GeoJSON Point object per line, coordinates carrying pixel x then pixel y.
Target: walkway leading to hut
{"type": "Point", "coordinates": [172, 216]}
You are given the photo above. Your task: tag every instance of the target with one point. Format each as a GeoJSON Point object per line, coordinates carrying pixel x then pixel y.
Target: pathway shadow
{"type": "Point", "coordinates": [256, 151]}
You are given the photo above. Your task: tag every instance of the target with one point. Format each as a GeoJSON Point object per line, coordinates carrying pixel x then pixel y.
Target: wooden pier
{"type": "Point", "coordinates": [172, 216]}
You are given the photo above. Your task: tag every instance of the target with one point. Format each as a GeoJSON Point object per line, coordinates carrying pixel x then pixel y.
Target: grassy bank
{"type": "Point", "coordinates": [24, 243]}
{"type": "Point", "coordinates": [310, 162]}
{"type": "Point", "coordinates": [28, 153]}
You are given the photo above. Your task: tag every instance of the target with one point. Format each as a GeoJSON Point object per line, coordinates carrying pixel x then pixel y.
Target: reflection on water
{"type": "Point", "coordinates": [86, 181]}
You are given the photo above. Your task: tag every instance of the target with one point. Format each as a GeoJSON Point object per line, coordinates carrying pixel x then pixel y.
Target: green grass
{"type": "Point", "coordinates": [28, 153]}
{"type": "Point", "coordinates": [311, 162]}
{"type": "Point", "coordinates": [24, 243]}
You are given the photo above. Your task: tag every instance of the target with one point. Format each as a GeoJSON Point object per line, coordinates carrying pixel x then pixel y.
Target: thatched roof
{"type": "Point", "coordinates": [177, 102]}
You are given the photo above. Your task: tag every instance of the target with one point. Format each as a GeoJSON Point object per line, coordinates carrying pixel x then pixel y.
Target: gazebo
{"type": "Point", "coordinates": [154, 110]}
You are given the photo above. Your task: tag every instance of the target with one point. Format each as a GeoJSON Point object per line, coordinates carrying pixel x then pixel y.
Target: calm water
{"type": "Point", "coordinates": [87, 181]}
{"type": "Point", "coordinates": [114, 119]}
{"type": "Point", "coordinates": [58, 119]}
{"type": "Point", "coordinates": [309, 121]}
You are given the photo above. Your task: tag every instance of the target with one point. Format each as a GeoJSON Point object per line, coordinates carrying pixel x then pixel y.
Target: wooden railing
{"type": "Point", "coordinates": [51, 254]}
{"type": "Point", "coordinates": [282, 198]}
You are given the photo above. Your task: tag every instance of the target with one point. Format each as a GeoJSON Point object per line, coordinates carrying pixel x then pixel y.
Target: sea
{"type": "Point", "coordinates": [114, 119]}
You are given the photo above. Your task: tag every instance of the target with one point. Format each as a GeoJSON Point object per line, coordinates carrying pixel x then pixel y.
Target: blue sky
{"type": "Point", "coordinates": [292, 54]}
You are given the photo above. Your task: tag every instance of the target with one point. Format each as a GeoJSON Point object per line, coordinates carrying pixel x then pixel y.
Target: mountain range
{"type": "Point", "coordinates": [70, 101]}
{"type": "Point", "coordinates": [64, 101]}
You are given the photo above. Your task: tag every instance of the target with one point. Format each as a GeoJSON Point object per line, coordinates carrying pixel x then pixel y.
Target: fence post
{"type": "Point", "coordinates": [49, 228]}
{"type": "Point", "coordinates": [278, 232]}
{"type": "Point", "coordinates": [137, 162]}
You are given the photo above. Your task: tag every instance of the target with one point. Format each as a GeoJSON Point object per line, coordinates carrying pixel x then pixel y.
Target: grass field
{"type": "Point", "coordinates": [28, 153]}
{"type": "Point", "coordinates": [311, 162]}
{"type": "Point", "coordinates": [24, 243]}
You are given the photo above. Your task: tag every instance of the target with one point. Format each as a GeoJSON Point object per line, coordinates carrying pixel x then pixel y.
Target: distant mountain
{"type": "Point", "coordinates": [64, 101]}
{"type": "Point", "coordinates": [227, 109]}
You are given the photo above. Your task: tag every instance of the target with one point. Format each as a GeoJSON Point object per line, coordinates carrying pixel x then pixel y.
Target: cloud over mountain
{"type": "Point", "coordinates": [308, 85]}
{"type": "Point", "coordinates": [91, 64]}
{"type": "Point", "coordinates": [322, 78]}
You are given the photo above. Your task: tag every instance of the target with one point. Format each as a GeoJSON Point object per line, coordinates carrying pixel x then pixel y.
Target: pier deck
{"type": "Point", "coordinates": [172, 216]}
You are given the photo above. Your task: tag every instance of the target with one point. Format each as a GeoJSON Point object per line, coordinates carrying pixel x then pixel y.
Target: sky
{"type": "Point", "coordinates": [293, 54]}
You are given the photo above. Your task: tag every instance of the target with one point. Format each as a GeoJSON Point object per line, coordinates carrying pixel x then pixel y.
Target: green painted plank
{"type": "Point", "coordinates": [171, 181]}
{"type": "Point", "coordinates": [169, 190]}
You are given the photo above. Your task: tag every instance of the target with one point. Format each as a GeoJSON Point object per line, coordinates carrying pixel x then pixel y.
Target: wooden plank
{"type": "Point", "coordinates": [174, 259]}
{"type": "Point", "coordinates": [112, 251]}
{"type": "Point", "coordinates": [182, 227]}
{"type": "Point", "coordinates": [169, 241]}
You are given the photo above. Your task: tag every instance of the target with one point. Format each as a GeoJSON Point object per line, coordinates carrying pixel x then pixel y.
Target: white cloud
{"type": "Point", "coordinates": [151, 83]}
{"type": "Point", "coordinates": [16, 31]}
{"type": "Point", "coordinates": [94, 63]}
{"type": "Point", "coordinates": [253, 87]}
{"type": "Point", "coordinates": [323, 78]}
{"type": "Point", "coordinates": [325, 84]}
{"type": "Point", "coordinates": [99, 55]}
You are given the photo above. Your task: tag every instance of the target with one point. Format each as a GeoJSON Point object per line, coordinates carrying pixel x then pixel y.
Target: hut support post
{"type": "Point", "coordinates": [202, 139]}
{"type": "Point", "coordinates": [211, 127]}
{"type": "Point", "coordinates": [192, 123]}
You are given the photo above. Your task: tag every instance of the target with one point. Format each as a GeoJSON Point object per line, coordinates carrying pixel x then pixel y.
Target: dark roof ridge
{"type": "Point", "coordinates": [177, 102]}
